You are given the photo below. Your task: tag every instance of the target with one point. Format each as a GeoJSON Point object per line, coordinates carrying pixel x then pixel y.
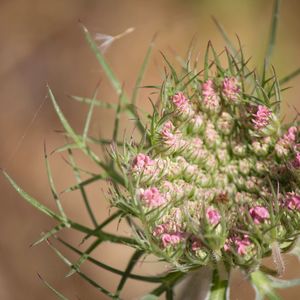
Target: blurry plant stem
{"type": "Point", "coordinates": [206, 283]}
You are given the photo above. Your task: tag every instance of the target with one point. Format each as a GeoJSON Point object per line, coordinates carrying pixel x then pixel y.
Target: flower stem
{"type": "Point", "coordinates": [219, 289]}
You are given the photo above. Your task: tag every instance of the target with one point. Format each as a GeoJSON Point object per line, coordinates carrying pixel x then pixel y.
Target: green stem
{"type": "Point", "coordinates": [219, 289]}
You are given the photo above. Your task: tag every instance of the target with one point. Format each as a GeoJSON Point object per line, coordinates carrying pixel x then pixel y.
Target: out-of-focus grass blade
{"type": "Point", "coordinates": [153, 279]}
{"type": "Point", "coordinates": [289, 77]}
{"type": "Point", "coordinates": [52, 186]}
{"type": "Point", "coordinates": [96, 102]}
{"type": "Point", "coordinates": [173, 71]}
{"type": "Point", "coordinates": [57, 293]}
{"type": "Point", "coordinates": [283, 284]}
{"type": "Point", "coordinates": [273, 32]}
{"type": "Point", "coordinates": [132, 262]}
{"type": "Point", "coordinates": [228, 42]}
{"type": "Point", "coordinates": [149, 297]}
{"type": "Point", "coordinates": [88, 279]}
{"type": "Point", "coordinates": [142, 72]}
{"type": "Point", "coordinates": [81, 188]}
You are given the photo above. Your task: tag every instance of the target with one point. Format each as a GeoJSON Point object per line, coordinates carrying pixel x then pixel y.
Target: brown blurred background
{"type": "Point", "coordinates": [41, 43]}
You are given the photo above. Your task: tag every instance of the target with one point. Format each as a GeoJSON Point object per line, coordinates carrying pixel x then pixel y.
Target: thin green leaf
{"type": "Point", "coordinates": [84, 183]}
{"type": "Point", "coordinates": [153, 279]}
{"type": "Point", "coordinates": [289, 77]}
{"type": "Point", "coordinates": [262, 286]}
{"type": "Point", "coordinates": [149, 297]}
{"type": "Point", "coordinates": [100, 234]}
{"type": "Point", "coordinates": [63, 120]}
{"type": "Point", "coordinates": [89, 118]}
{"type": "Point", "coordinates": [100, 58]}
{"type": "Point", "coordinates": [52, 186]}
{"type": "Point", "coordinates": [57, 293]}
{"type": "Point", "coordinates": [142, 72]}
{"type": "Point", "coordinates": [97, 102]}
{"type": "Point", "coordinates": [273, 31]}
{"type": "Point", "coordinates": [88, 279]}
{"type": "Point", "coordinates": [84, 257]}
{"type": "Point", "coordinates": [81, 188]}
{"type": "Point", "coordinates": [103, 224]}
{"type": "Point", "coordinates": [49, 233]}
{"type": "Point", "coordinates": [132, 262]}
{"type": "Point", "coordinates": [283, 284]}
{"type": "Point", "coordinates": [117, 120]}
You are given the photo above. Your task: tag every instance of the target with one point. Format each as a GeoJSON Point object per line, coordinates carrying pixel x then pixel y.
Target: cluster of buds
{"type": "Point", "coordinates": [208, 186]}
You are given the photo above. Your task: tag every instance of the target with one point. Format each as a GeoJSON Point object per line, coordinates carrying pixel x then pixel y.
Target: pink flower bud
{"type": "Point", "coordinates": [291, 135]}
{"type": "Point", "coordinates": [259, 214]}
{"type": "Point", "coordinates": [296, 161]}
{"type": "Point", "coordinates": [152, 197]}
{"type": "Point", "coordinates": [261, 117]}
{"type": "Point", "coordinates": [242, 244]}
{"type": "Point", "coordinates": [292, 201]}
{"type": "Point", "coordinates": [141, 162]}
{"type": "Point", "coordinates": [213, 216]}
{"type": "Point", "coordinates": [171, 239]}
{"type": "Point", "coordinates": [211, 99]}
{"type": "Point", "coordinates": [180, 101]}
{"type": "Point", "coordinates": [231, 89]}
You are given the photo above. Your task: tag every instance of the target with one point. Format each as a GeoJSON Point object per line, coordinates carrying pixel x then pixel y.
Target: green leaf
{"type": "Point", "coordinates": [81, 188]}
{"type": "Point", "coordinates": [57, 293]}
{"type": "Point", "coordinates": [49, 233]}
{"type": "Point", "coordinates": [283, 284]}
{"type": "Point", "coordinates": [52, 186]}
{"type": "Point", "coordinates": [96, 102]}
{"type": "Point", "coordinates": [89, 117]}
{"type": "Point", "coordinates": [132, 262]}
{"type": "Point", "coordinates": [88, 279]}
{"type": "Point", "coordinates": [153, 279]}
{"type": "Point", "coordinates": [149, 297]}
{"type": "Point", "coordinates": [100, 234]}
{"type": "Point", "coordinates": [263, 286]}
{"type": "Point", "coordinates": [77, 139]}
{"type": "Point", "coordinates": [287, 78]}
{"type": "Point", "coordinates": [273, 31]}
{"type": "Point", "coordinates": [142, 72]}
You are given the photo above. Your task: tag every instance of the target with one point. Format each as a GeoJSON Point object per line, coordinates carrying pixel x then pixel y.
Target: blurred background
{"type": "Point", "coordinates": [41, 42]}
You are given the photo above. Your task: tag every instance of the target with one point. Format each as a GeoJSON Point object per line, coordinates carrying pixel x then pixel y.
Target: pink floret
{"type": "Point", "coordinates": [231, 88]}
{"type": "Point", "coordinates": [152, 197]}
{"type": "Point", "coordinates": [296, 161]}
{"type": "Point", "coordinates": [141, 161]}
{"type": "Point", "coordinates": [213, 216]}
{"type": "Point", "coordinates": [292, 201]}
{"type": "Point", "coordinates": [171, 239]}
{"type": "Point", "coordinates": [259, 214]}
{"type": "Point", "coordinates": [242, 244]}
{"type": "Point", "coordinates": [180, 100]}
{"type": "Point", "coordinates": [261, 117]}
